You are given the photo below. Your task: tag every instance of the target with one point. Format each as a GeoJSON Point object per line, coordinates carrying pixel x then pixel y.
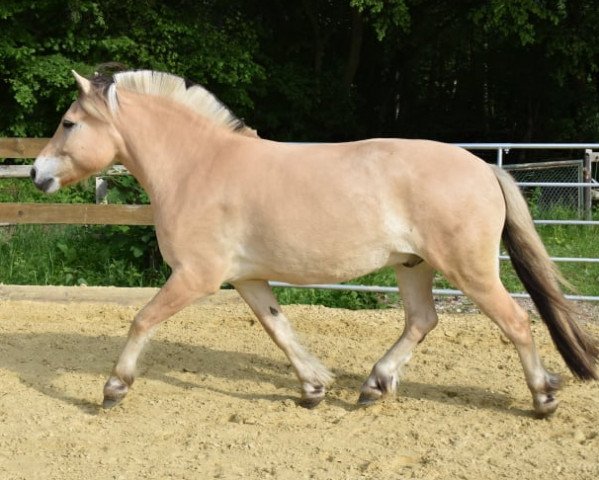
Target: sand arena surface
{"type": "Point", "coordinates": [216, 399]}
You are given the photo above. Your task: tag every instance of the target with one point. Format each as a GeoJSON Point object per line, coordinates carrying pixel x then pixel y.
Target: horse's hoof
{"type": "Point", "coordinates": [377, 386]}
{"type": "Point", "coordinates": [312, 395]}
{"type": "Point", "coordinates": [109, 402]}
{"type": "Point", "coordinates": [310, 402]}
{"type": "Point", "coordinates": [114, 391]}
{"type": "Point", "coordinates": [545, 402]}
{"type": "Point", "coordinates": [371, 392]}
{"type": "Point", "coordinates": [545, 406]}
{"type": "Point", "coordinates": [368, 398]}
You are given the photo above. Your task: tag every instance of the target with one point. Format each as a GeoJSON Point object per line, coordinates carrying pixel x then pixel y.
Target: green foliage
{"type": "Point", "coordinates": [23, 190]}
{"type": "Point", "coordinates": [523, 20]}
{"type": "Point", "coordinates": [125, 189]}
{"type": "Point", "coordinates": [43, 40]}
{"type": "Point", "coordinates": [385, 14]}
{"type": "Point", "coordinates": [533, 202]}
{"type": "Point", "coordinates": [97, 255]}
{"type": "Point", "coordinates": [69, 255]}
{"type": "Point", "coordinates": [324, 71]}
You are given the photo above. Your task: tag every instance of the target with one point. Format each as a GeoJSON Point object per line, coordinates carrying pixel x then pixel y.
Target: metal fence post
{"type": "Point", "coordinates": [587, 178]}
{"type": "Point", "coordinates": [101, 190]}
{"type": "Point", "coordinates": [500, 165]}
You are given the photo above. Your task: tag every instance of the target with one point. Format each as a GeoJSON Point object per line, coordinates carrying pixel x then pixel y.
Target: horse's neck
{"type": "Point", "coordinates": [164, 142]}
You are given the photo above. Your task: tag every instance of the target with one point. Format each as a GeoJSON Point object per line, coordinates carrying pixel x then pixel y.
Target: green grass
{"type": "Point", "coordinates": [567, 241]}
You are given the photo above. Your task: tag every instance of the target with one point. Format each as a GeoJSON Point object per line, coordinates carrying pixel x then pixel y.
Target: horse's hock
{"type": "Point", "coordinates": [216, 399]}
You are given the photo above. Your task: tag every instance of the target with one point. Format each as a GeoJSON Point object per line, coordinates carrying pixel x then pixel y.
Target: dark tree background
{"type": "Point", "coordinates": [325, 70]}
{"type": "Point", "coordinates": [297, 70]}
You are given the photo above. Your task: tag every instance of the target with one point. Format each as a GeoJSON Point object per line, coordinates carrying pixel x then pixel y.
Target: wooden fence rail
{"type": "Point", "coordinates": [47, 213]}
{"type": "Point", "coordinates": [21, 147]}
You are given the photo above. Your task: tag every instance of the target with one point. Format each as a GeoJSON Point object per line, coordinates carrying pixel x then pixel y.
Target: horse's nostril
{"type": "Point", "coordinates": [32, 174]}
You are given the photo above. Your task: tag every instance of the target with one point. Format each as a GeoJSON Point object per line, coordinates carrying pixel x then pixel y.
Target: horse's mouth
{"type": "Point", "coordinates": [47, 185]}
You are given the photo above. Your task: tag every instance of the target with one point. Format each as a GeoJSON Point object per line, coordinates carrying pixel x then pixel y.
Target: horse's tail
{"type": "Point", "coordinates": [541, 279]}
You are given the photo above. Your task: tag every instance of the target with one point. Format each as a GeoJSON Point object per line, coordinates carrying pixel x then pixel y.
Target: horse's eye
{"type": "Point", "coordinates": [67, 124]}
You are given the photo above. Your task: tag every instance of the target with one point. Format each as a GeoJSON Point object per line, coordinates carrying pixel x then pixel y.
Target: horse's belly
{"type": "Point", "coordinates": [316, 266]}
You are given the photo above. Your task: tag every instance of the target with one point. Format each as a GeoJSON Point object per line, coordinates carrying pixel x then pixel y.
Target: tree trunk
{"type": "Point", "coordinates": [318, 40]}
{"type": "Point", "coordinates": [355, 47]}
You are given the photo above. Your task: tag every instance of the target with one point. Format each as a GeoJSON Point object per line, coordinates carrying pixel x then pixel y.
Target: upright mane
{"type": "Point", "coordinates": [166, 85]}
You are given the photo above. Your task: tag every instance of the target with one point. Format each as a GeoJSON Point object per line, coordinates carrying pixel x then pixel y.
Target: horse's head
{"type": "Point", "coordinates": [84, 143]}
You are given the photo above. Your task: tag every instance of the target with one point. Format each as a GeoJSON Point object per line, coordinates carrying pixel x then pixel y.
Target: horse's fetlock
{"type": "Point", "coordinates": [369, 394]}
{"type": "Point", "coordinates": [549, 383]}
{"type": "Point", "coordinates": [140, 327]}
{"type": "Point", "coordinates": [381, 379]}
{"type": "Point", "coordinates": [313, 390]}
{"type": "Point", "coordinates": [123, 375]}
{"type": "Point", "coordinates": [128, 380]}
{"type": "Point", "coordinates": [388, 384]}
{"type": "Point", "coordinates": [553, 382]}
{"type": "Point", "coordinates": [315, 373]}
{"type": "Point", "coordinates": [116, 386]}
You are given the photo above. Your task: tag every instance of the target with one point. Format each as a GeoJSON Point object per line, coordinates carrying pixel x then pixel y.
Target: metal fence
{"type": "Point", "coordinates": [552, 198]}
{"type": "Point", "coordinates": [573, 186]}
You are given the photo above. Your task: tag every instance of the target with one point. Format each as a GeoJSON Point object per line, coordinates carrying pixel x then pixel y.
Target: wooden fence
{"type": "Point", "coordinates": [99, 213]}
{"type": "Point", "coordinates": [46, 213]}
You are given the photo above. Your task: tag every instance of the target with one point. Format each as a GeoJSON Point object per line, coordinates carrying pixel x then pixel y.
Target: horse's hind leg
{"type": "Point", "coordinates": [313, 376]}
{"type": "Point", "coordinates": [415, 284]}
{"type": "Point", "coordinates": [493, 299]}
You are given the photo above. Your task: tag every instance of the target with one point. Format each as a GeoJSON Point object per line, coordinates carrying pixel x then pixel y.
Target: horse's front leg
{"type": "Point", "coordinates": [312, 374]}
{"type": "Point", "coordinates": [179, 291]}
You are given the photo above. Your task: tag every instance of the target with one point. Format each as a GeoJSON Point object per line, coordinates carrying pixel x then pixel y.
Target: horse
{"type": "Point", "coordinates": [231, 207]}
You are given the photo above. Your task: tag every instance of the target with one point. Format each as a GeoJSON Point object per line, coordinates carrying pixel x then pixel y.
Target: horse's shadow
{"type": "Point", "coordinates": [40, 359]}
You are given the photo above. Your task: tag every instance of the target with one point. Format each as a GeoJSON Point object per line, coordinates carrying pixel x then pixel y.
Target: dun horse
{"type": "Point", "coordinates": [232, 207]}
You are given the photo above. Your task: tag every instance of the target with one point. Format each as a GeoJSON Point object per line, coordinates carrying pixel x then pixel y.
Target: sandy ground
{"type": "Point", "coordinates": [215, 399]}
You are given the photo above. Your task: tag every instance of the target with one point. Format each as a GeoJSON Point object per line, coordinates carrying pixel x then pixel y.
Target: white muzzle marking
{"type": "Point", "coordinates": [44, 174]}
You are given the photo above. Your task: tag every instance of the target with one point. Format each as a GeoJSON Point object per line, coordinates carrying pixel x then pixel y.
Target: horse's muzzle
{"type": "Point", "coordinates": [43, 184]}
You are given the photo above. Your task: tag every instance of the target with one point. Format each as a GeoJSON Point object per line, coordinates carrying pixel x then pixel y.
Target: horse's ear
{"type": "Point", "coordinates": [249, 132]}
{"type": "Point", "coordinates": [83, 83]}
